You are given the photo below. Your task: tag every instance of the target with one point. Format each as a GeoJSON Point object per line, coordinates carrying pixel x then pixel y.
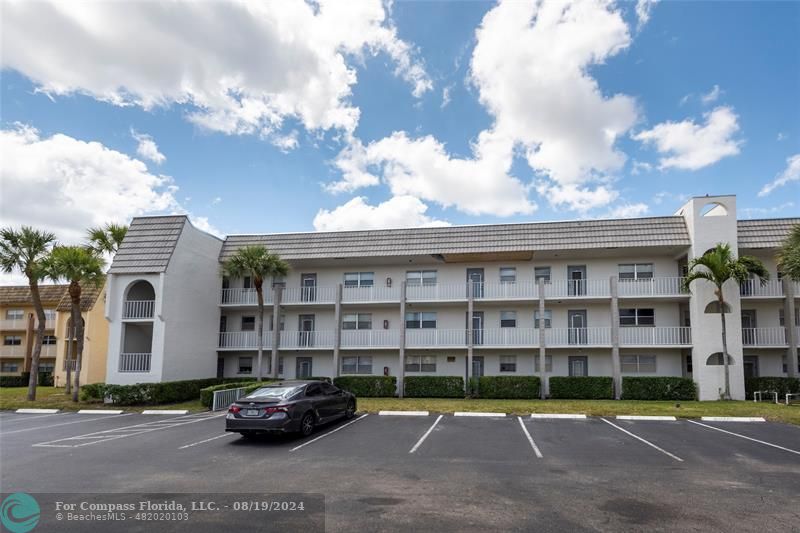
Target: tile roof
{"type": "Point", "coordinates": [537, 236]}
{"type": "Point", "coordinates": [89, 296]}
{"type": "Point", "coordinates": [148, 245]}
{"type": "Point", "coordinates": [21, 294]}
{"type": "Point", "coordinates": [765, 233]}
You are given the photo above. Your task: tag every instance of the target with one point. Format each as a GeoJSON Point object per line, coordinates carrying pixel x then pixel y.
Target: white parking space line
{"type": "Point", "coordinates": [557, 416]}
{"type": "Point", "coordinates": [62, 424]}
{"type": "Point", "coordinates": [646, 417]}
{"type": "Point", "coordinates": [732, 419]}
{"type": "Point", "coordinates": [403, 413]}
{"type": "Point", "coordinates": [206, 440]}
{"type": "Point", "coordinates": [425, 436]}
{"type": "Point", "coordinates": [100, 412]}
{"type": "Point", "coordinates": [362, 417]}
{"type": "Point", "coordinates": [637, 437]}
{"type": "Point", "coordinates": [746, 437]}
{"type": "Point", "coordinates": [530, 439]}
{"type": "Point", "coordinates": [475, 413]}
{"type": "Point", "coordinates": [37, 411]}
{"type": "Point", "coordinates": [165, 412]}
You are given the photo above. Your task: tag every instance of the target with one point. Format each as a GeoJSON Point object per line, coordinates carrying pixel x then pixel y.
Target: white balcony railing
{"type": "Point", "coordinates": [370, 338]}
{"type": "Point", "coordinates": [655, 336]}
{"type": "Point", "coordinates": [70, 364]}
{"type": "Point", "coordinates": [764, 336]}
{"type": "Point", "coordinates": [587, 288]}
{"type": "Point", "coordinates": [425, 338]}
{"type": "Point", "coordinates": [244, 297]}
{"type": "Point", "coordinates": [138, 309]}
{"type": "Point", "coordinates": [298, 340]}
{"type": "Point", "coordinates": [134, 362]}
{"type": "Point", "coordinates": [651, 287]}
{"type": "Point", "coordinates": [48, 350]}
{"type": "Point", "coordinates": [370, 294]}
{"type": "Point", "coordinates": [12, 351]}
{"type": "Point", "coordinates": [437, 291]}
{"type": "Point", "coordinates": [14, 324]}
{"type": "Point", "coordinates": [518, 290]}
{"type": "Point", "coordinates": [506, 337]}
{"type": "Point", "coordinates": [753, 288]}
{"type": "Point", "coordinates": [300, 295]}
{"type": "Point", "coordinates": [598, 336]}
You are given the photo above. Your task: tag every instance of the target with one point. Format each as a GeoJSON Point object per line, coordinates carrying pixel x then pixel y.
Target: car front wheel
{"type": "Point", "coordinates": [307, 424]}
{"type": "Point", "coordinates": [350, 412]}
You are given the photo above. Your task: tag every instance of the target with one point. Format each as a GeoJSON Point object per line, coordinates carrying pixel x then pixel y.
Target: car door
{"type": "Point", "coordinates": [314, 395]}
{"type": "Point", "coordinates": [336, 400]}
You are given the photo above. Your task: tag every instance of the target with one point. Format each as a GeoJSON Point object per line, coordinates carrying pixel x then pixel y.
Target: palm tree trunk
{"type": "Point", "coordinates": [727, 394]}
{"type": "Point", "coordinates": [37, 346]}
{"type": "Point", "coordinates": [260, 293]}
{"type": "Point", "coordinates": [70, 336]}
{"type": "Point", "coordinates": [75, 295]}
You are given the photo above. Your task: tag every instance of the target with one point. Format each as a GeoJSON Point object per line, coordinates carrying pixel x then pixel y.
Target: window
{"type": "Point", "coordinates": [48, 340]}
{"type": "Point", "coordinates": [359, 279]}
{"type": "Point", "coordinates": [12, 340]}
{"type": "Point", "coordinates": [9, 367]}
{"type": "Point", "coordinates": [508, 319]}
{"type": "Point", "coordinates": [248, 323]}
{"type": "Point", "coordinates": [245, 365]}
{"type": "Point", "coordinates": [785, 368]}
{"type": "Point", "coordinates": [508, 363]}
{"type": "Point", "coordinates": [637, 317]}
{"type": "Point", "coordinates": [421, 320]}
{"type": "Point", "coordinates": [282, 323]}
{"type": "Point", "coordinates": [49, 314]}
{"type": "Point", "coordinates": [632, 271]}
{"type": "Point", "coordinates": [15, 314]}
{"type": "Point", "coordinates": [548, 363]}
{"type": "Point", "coordinates": [782, 320]}
{"type": "Point", "coordinates": [541, 273]}
{"type": "Point", "coordinates": [278, 281]}
{"type": "Point", "coordinates": [357, 365]}
{"type": "Point", "coordinates": [47, 367]}
{"type": "Point", "coordinates": [416, 278]}
{"type": "Point", "coordinates": [638, 364]}
{"type": "Point", "coordinates": [508, 275]}
{"type": "Point", "coordinates": [247, 283]}
{"type": "Point", "coordinates": [357, 321]}
{"type": "Point", "coordinates": [548, 318]}
{"type": "Point", "coordinates": [421, 363]}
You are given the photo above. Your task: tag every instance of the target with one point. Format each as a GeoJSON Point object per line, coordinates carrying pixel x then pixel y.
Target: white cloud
{"type": "Point", "coordinates": [790, 173]}
{"type": "Point", "coordinates": [397, 212]}
{"type": "Point", "coordinates": [782, 136]}
{"type": "Point", "coordinates": [286, 143]}
{"type": "Point", "coordinates": [241, 67]}
{"type": "Point", "coordinates": [217, 200]}
{"type": "Point", "coordinates": [639, 167]}
{"type": "Point", "coordinates": [577, 198]}
{"type": "Point", "coordinates": [693, 146]}
{"type": "Point", "coordinates": [446, 96]}
{"type": "Point", "coordinates": [203, 224]}
{"type": "Point", "coordinates": [148, 148]}
{"type": "Point", "coordinates": [711, 96]}
{"type": "Point", "coordinates": [628, 211]}
{"type": "Point", "coordinates": [643, 9]}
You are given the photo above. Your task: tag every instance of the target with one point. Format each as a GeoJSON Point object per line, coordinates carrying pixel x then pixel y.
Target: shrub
{"type": "Point", "coordinates": [779, 385]}
{"type": "Point", "coordinates": [158, 393]}
{"type": "Point", "coordinates": [434, 387]}
{"type": "Point", "coordinates": [92, 392]}
{"type": "Point", "coordinates": [45, 380]}
{"type": "Point", "coordinates": [658, 388]}
{"type": "Point", "coordinates": [508, 387]}
{"type": "Point", "coordinates": [582, 388]}
{"type": "Point", "coordinates": [368, 386]}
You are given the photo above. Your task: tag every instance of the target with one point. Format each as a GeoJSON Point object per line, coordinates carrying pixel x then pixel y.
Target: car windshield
{"type": "Point", "coordinates": [272, 392]}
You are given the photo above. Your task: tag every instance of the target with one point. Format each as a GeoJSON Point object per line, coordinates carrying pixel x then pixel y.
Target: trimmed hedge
{"type": "Point", "coordinates": [92, 392]}
{"type": "Point", "coordinates": [658, 388]}
{"type": "Point", "coordinates": [434, 387]}
{"type": "Point", "coordinates": [45, 380]}
{"type": "Point", "coordinates": [779, 385]}
{"type": "Point", "coordinates": [158, 393]}
{"type": "Point", "coordinates": [582, 388]}
{"type": "Point", "coordinates": [508, 387]}
{"type": "Point", "coordinates": [368, 386]}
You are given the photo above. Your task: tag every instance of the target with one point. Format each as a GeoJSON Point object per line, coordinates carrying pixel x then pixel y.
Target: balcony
{"type": "Point", "coordinates": [503, 337]}
{"type": "Point", "coordinates": [308, 295]}
{"type": "Point", "coordinates": [134, 362]}
{"type": "Point", "coordinates": [370, 294]}
{"type": "Point", "coordinates": [632, 288]}
{"type": "Point", "coordinates": [429, 338]}
{"type": "Point", "coordinates": [48, 350]}
{"type": "Point", "coordinates": [764, 337]}
{"type": "Point", "coordinates": [19, 324]}
{"type": "Point", "coordinates": [598, 336]}
{"type": "Point", "coordinates": [655, 336]}
{"type": "Point", "coordinates": [243, 297]}
{"type": "Point", "coordinates": [752, 288]}
{"type": "Point", "coordinates": [302, 340]}
{"type": "Point", "coordinates": [12, 351]}
{"type": "Point", "coordinates": [137, 309]}
{"type": "Point", "coordinates": [370, 338]}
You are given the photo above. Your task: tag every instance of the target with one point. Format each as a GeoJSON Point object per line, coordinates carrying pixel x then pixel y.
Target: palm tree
{"type": "Point", "coordinates": [258, 263]}
{"type": "Point", "coordinates": [25, 250]}
{"type": "Point", "coordinates": [106, 239]}
{"type": "Point", "coordinates": [789, 254]}
{"type": "Point", "coordinates": [77, 265]}
{"type": "Point", "coordinates": [718, 265]}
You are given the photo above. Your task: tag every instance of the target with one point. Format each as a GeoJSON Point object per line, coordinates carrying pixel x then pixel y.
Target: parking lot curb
{"type": "Point", "coordinates": [732, 419]}
{"type": "Point", "coordinates": [558, 416]}
{"type": "Point", "coordinates": [646, 417]}
{"type": "Point", "coordinates": [403, 413]}
{"type": "Point", "coordinates": [100, 412]}
{"type": "Point", "coordinates": [165, 412]}
{"type": "Point", "coordinates": [37, 411]}
{"type": "Point", "coordinates": [467, 413]}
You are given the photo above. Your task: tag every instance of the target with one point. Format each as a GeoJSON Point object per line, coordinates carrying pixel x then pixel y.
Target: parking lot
{"type": "Point", "coordinates": [437, 471]}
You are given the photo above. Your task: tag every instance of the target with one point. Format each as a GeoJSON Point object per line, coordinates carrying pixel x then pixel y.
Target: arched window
{"type": "Point", "coordinates": [140, 290]}
{"type": "Point", "coordinates": [715, 359]}
{"type": "Point", "coordinates": [713, 308]}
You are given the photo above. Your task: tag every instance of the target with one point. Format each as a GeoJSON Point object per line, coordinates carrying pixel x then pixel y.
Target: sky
{"type": "Point", "coordinates": [259, 117]}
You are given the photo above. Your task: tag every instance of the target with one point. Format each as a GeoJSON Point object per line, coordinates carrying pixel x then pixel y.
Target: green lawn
{"type": "Point", "coordinates": [54, 398]}
{"type": "Point", "coordinates": [777, 413]}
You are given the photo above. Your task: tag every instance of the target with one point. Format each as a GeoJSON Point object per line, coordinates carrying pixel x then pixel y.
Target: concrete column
{"type": "Point", "coordinates": [277, 292]}
{"type": "Point", "coordinates": [337, 333]}
{"type": "Point", "coordinates": [615, 363]}
{"type": "Point", "coordinates": [402, 371]}
{"type": "Point", "coordinates": [470, 311]}
{"type": "Point", "coordinates": [544, 389]}
{"type": "Point", "coordinates": [789, 323]}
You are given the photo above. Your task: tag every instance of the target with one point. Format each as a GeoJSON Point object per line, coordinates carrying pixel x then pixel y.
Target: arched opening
{"type": "Point", "coordinates": [137, 347]}
{"type": "Point", "coordinates": [715, 359]}
{"type": "Point", "coordinates": [140, 298]}
{"type": "Point", "coordinates": [713, 209]}
{"type": "Point", "coordinates": [713, 308]}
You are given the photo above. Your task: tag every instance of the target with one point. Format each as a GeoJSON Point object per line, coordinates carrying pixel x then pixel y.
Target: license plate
{"type": "Point", "coordinates": [251, 412]}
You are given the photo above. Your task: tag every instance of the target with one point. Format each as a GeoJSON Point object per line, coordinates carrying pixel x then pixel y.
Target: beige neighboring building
{"type": "Point", "coordinates": [18, 327]}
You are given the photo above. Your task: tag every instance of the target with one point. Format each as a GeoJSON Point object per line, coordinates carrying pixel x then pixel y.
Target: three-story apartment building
{"type": "Point", "coordinates": [589, 297]}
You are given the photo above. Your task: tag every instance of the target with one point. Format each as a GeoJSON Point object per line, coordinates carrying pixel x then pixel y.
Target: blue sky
{"type": "Point", "coordinates": [698, 97]}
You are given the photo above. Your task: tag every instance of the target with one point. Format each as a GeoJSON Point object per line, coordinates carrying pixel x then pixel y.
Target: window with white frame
{"type": "Point", "coordinates": [508, 363]}
{"type": "Point", "coordinates": [15, 314]}
{"type": "Point", "coordinates": [12, 340]}
{"type": "Point", "coordinates": [635, 271]}
{"type": "Point", "coordinates": [415, 278]}
{"type": "Point", "coordinates": [508, 275]}
{"type": "Point", "coordinates": [247, 282]}
{"type": "Point", "coordinates": [361, 364]}
{"type": "Point", "coordinates": [6, 366]}
{"type": "Point", "coordinates": [508, 319]}
{"type": "Point", "coordinates": [245, 365]}
{"type": "Point", "coordinates": [357, 321]}
{"type": "Point", "coordinates": [359, 279]}
{"type": "Point", "coordinates": [548, 363]}
{"type": "Point", "coordinates": [248, 323]}
{"type": "Point", "coordinates": [548, 318]}
{"type": "Point", "coordinates": [420, 320]}
{"type": "Point", "coordinates": [421, 363]}
{"type": "Point", "coordinates": [637, 317]}
{"type": "Point", "coordinates": [638, 364]}
{"type": "Point", "coordinates": [49, 340]}
{"type": "Point", "coordinates": [541, 273]}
